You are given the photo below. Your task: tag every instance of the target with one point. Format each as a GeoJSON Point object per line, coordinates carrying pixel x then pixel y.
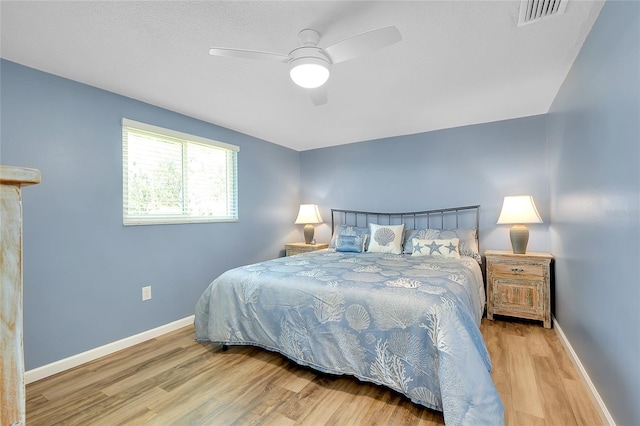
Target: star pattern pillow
{"type": "Point", "coordinates": [436, 248]}
{"type": "Point", "coordinates": [468, 245]}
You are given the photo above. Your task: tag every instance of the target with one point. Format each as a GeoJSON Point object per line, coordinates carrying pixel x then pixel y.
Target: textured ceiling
{"type": "Point", "coordinates": [459, 63]}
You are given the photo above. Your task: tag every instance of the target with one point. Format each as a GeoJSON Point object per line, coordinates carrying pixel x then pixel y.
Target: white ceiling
{"type": "Point", "coordinates": [459, 63]}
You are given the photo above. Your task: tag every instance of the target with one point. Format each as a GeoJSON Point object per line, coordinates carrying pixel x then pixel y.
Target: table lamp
{"type": "Point", "coordinates": [308, 215]}
{"type": "Point", "coordinates": [518, 210]}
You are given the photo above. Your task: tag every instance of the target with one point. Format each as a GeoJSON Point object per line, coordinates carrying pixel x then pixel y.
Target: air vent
{"type": "Point", "coordinates": [534, 10]}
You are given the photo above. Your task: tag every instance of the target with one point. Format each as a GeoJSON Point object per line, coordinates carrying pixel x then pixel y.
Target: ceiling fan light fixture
{"type": "Point", "coordinates": [310, 64]}
{"type": "Point", "coordinates": [309, 72]}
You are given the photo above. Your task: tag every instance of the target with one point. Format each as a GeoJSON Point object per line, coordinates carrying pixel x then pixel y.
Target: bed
{"type": "Point", "coordinates": [396, 300]}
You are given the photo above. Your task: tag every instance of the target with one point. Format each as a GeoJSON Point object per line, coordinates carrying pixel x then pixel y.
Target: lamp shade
{"type": "Point", "coordinates": [519, 209]}
{"type": "Point", "coordinates": [308, 213]}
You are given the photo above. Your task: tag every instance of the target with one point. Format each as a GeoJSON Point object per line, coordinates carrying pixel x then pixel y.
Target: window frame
{"type": "Point", "coordinates": [185, 139]}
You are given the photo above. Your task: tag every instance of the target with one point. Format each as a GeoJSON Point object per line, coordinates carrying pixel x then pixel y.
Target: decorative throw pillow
{"type": "Point", "coordinates": [422, 234]}
{"type": "Point", "coordinates": [468, 245]}
{"type": "Point", "coordinates": [347, 230]}
{"type": "Point", "coordinates": [351, 243]}
{"type": "Point", "coordinates": [386, 238]}
{"type": "Point", "coordinates": [436, 248]}
{"type": "Point", "coordinates": [468, 242]}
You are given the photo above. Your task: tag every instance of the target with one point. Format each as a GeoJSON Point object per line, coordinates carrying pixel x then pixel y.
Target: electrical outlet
{"type": "Point", "coordinates": [146, 293]}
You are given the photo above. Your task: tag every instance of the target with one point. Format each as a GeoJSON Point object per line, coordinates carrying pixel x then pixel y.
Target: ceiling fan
{"type": "Point", "coordinates": [310, 64]}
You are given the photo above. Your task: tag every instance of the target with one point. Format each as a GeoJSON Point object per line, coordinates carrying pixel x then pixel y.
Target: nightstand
{"type": "Point", "coordinates": [297, 248]}
{"type": "Point", "coordinates": [519, 285]}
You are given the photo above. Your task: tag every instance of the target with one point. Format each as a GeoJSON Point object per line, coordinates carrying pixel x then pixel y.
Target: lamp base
{"type": "Point", "coordinates": [519, 235]}
{"type": "Point", "coordinates": [308, 233]}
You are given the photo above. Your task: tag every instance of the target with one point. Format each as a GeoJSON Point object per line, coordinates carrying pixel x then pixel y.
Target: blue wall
{"type": "Point", "coordinates": [83, 271]}
{"type": "Point", "coordinates": [477, 164]}
{"type": "Point", "coordinates": [594, 146]}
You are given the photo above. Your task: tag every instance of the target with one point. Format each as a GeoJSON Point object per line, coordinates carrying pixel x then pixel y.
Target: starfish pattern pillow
{"type": "Point", "coordinates": [436, 248]}
{"type": "Point", "coordinates": [467, 246]}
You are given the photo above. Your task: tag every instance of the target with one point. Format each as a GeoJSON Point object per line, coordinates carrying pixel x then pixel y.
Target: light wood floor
{"type": "Point", "coordinates": [173, 380]}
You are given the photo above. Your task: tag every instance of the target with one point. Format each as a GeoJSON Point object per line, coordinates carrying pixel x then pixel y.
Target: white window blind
{"type": "Point", "coordinates": [174, 177]}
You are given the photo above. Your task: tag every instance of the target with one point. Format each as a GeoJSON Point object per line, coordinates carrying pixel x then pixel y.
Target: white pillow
{"type": "Point", "coordinates": [436, 248]}
{"type": "Point", "coordinates": [386, 238]}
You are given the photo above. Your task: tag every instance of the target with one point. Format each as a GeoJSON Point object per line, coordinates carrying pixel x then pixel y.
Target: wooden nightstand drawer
{"type": "Point", "coordinates": [520, 270]}
{"type": "Point", "coordinates": [518, 285]}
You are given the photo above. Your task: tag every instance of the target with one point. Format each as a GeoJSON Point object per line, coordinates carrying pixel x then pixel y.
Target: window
{"type": "Point", "coordinates": [174, 177]}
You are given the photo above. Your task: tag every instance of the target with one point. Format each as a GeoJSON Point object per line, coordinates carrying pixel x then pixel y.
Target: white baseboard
{"type": "Point", "coordinates": [604, 413]}
{"type": "Point", "coordinates": [90, 355]}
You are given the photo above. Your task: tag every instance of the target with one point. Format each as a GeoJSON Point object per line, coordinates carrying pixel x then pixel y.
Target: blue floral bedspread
{"type": "Point", "coordinates": [408, 323]}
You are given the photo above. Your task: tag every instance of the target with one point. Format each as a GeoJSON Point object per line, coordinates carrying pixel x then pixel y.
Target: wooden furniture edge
{"type": "Point", "coordinates": [11, 175]}
{"type": "Point", "coordinates": [12, 388]}
{"type": "Point", "coordinates": [517, 256]}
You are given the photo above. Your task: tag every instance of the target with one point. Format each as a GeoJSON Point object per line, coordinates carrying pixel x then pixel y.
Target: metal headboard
{"type": "Point", "coordinates": [449, 218]}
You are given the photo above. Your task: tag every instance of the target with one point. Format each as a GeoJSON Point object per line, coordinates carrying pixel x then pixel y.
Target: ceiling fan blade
{"type": "Point", "coordinates": [318, 95]}
{"type": "Point", "coordinates": [248, 54]}
{"type": "Point", "coordinates": [363, 43]}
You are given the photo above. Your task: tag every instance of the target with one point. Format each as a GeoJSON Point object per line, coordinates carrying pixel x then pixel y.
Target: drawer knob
{"type": "Point", "coordinates": [517, 270]}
